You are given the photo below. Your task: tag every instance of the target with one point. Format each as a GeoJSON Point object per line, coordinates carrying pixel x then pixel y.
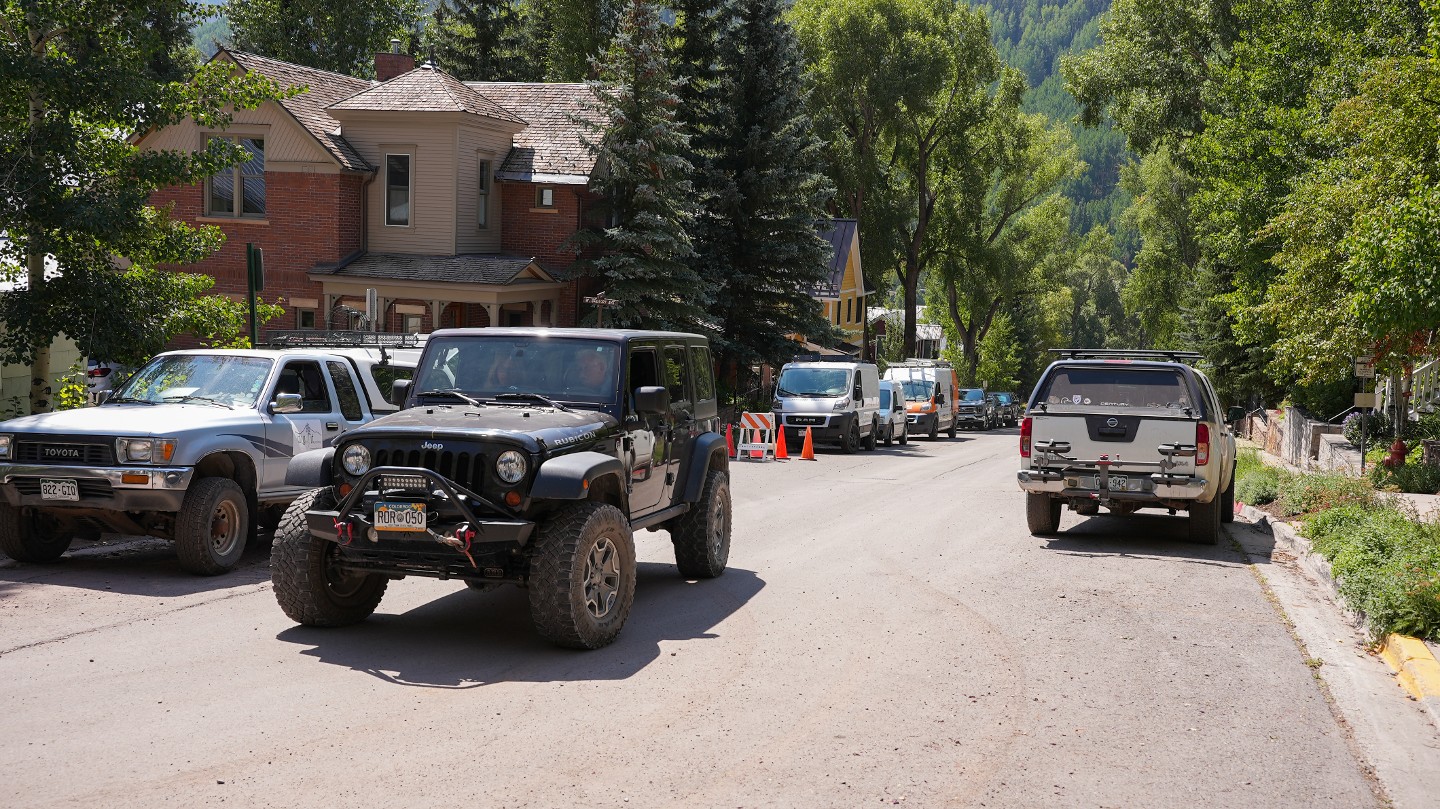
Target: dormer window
{"type": "Point", "coordinates": [545, 197]}
{"type": "Point", "coordinates": [397, 189]}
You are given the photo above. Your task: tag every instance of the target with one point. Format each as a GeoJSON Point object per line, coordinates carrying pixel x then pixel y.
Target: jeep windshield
{"type": "Point", "coordinates": [205, 379]}
{"type": "Point", "coordinates": [1080, 389]}
{"type": "Point", "coordinates": [813, 382]}
{"type": "Point", "coordinates": [519, 369]}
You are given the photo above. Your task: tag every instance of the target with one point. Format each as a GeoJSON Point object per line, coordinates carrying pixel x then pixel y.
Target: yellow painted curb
{"type": "Point", "coordinates": [1415, 667]}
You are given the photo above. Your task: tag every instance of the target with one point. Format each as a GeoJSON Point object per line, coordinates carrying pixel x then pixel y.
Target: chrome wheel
{"type": "Point", "coordinates": [602, 577]}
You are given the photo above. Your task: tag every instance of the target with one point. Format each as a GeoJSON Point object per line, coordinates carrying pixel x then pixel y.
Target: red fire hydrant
{"type": "Point", "coordinates": [1398, 451]}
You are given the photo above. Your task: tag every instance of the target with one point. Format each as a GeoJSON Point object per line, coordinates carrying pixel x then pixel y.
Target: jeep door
{"type": "Point", "coordinates": [683, 424]}
{"type": "Point", "coordinates": [646, 443]}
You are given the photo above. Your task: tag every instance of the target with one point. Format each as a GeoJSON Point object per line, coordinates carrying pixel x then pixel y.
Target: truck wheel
{"type": "Point", "coordinates": [311, 589]}
{"type": "Point", "coordinates": [874, 436]}
{"type": "Point", "coordinates": [582, 576]}
{"type": "Point", "coordinates": [1042, 512]}
{"type": "Point", "coordinates": [27, 537]}
{"type": "Point", "coordinates": [1227, 500]}
{"type": "Point", "coordinates": [954, 427]}
{"type": "Point", "coordinates": [212, 527]}
{"type": "Point", "coordinates": [905, 435]}
{"type": "Point", "coordinates": [935, 428]}
{"type": "Point", "coordinates": [890, 435]}
{"type": "Point", "coordinates": [702, 534]}
{"type": "Point", "coordinates": [1205, 522]}
{"type": "Point", "coordinates": [851, 442]}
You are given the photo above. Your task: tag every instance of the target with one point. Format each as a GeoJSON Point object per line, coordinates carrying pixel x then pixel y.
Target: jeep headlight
{"type": "Point", "coordinates": [356, 460]}
{"type": "Point", "coordinates": [6, 442]}
{"type": "Point", "coordinates": [842, 404]}
{"type": "Point", "coordinates": [144, 450]}
{"type": "Point", "coordinates": [510, 466]}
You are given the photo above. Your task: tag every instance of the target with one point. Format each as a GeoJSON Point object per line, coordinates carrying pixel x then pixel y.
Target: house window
{"type": "Point", "coordinates": [239, 190]}
{"type": "Point", "coordinates": [835, 312]}
{"type": "Point", "coordinates": [544, 197]}
{"type": "Point", "coordinates": [410, 324]}
{"type": "Point", "coordinates": [482, 192]}
{"type": "Point", "coordinates": [304, 318]}
{"type": "Point", "coordinates": [849, 310]}
{"type": "Point", "coordinates": [397, 189]}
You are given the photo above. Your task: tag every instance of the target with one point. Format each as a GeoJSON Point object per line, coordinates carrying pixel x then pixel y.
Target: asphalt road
{"type": "Point", "coordinates": [888, 633]}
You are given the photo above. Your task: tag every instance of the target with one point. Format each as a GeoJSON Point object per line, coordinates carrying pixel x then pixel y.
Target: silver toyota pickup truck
{"type": "Point", "coordinates": [1127, 430]}
{"type": "Point", "coordinates": [192, 448]}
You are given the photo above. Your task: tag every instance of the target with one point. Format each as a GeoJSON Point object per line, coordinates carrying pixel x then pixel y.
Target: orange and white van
{"type": "Point", "coordinates": [931, 394]}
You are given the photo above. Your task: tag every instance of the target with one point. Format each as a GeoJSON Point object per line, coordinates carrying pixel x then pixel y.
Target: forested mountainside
{"type": "Point", "coordinates": [1032, 35]}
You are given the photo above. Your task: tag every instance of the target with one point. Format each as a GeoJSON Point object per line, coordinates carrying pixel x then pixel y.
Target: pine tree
{"type": "Point", "coordinates": [644, 180]}
{"type": "Point", "coordinates": [480, 40]}
{"type": "Point", "coordinates": [765, 250]}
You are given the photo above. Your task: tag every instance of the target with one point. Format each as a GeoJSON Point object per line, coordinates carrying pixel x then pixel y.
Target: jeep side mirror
{"type": "Point", "coordinates": [286, 403]}
{"type": "Point", "coordinates": [652, 399]}
{"type": "Point", "coordinates": [399, 391]}
{"type": "Point", "coordinates": [1235, 414]}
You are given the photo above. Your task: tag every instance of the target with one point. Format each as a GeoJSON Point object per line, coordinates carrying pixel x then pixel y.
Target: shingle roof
{"type": "Point", "coordinates": [840, 235]}
{"type": "Point", "coordinates": [308, 108]}
{"type": "Point", "coordinates": [426, 89]}
{"type": "Point", "coordinates": [474, 268]}
{"type": "Point", "coordinates": [550, 148]}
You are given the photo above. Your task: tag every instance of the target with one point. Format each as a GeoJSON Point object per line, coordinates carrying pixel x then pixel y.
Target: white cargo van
{"type": "Point", "coordinates": [930, 395]}
{"type": "Point", "coordinates": [892, 413]}
{"type": "Point", "coordinates": [838, 398]}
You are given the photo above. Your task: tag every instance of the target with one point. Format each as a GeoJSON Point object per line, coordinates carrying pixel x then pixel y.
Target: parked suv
{"type": "Point", "coordinates": [975, 409]}
{"type": "Point", "coordinates": [526, 456]}
{"type": "Point", "coordinates": [1127, 430]}
{"type": "Point", "coordinates": [193, 447]}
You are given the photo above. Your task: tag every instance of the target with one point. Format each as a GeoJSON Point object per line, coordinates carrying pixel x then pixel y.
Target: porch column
{"type": "Point", "coordinates": [436, 307]}
{"type": "Point", "coordinates": [493, 309]}
{"type": "Point", "coordinates": [554, 312]}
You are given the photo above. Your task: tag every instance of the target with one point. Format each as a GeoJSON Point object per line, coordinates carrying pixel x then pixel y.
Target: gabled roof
{"type": "Point", "coordinates": [473, 268]}
{"type": "Point", "coordinates": [308, 108]}
{"type": "Point", "coordinates": [426, 89]}
{"type": "Point", "coordinates": [551, 148]}
{"type": "Point", "coordinates": [841, 236]}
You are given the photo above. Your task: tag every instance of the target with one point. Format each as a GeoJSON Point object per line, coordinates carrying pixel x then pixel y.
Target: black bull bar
{"type": "Point", "coordinates": [346, 524]}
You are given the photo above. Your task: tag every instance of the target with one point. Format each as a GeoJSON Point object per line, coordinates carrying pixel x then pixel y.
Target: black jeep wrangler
{"type": "Point", "coordinates": [522, 455]}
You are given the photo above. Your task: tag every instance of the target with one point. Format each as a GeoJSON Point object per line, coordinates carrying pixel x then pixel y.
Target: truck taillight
{"type": "Point", "coordinates": [1202, 443]}
{"type": "Point", "coordinates": [1025, 437]}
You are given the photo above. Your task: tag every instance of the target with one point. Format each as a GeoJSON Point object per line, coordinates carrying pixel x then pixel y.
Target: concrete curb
{"type": "Point", "coordinates": [1415, 667]}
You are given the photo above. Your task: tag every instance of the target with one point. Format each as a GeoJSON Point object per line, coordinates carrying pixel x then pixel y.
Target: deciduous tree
{"type": "Point", "coordinates": [340, 37]}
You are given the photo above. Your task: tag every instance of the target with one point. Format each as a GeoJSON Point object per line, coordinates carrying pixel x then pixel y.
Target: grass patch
{"type": "Point", "coordinates": [1386, 563]}
{"type": "Point", "coordinates": [1319, 491]}
{"type": "Point", "coordinates": [1255, 482]}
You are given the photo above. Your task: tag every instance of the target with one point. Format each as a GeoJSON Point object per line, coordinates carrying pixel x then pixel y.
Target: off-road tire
{"type": "Point", "coordinates": [1227, 500]}
{"type": "Point", "coordinates": [851, 442]}
{"type": "Point", "coordinates": [213, 527]}
{"type": "Point", "coordinates": [306, 584]}
{"type": "Point", "coordinates": [570, 553]}
{"type": "Point", "coordinates": [28, 537]}
{"type": "Point", "coordinates": [1205, 522]}
{"type": "Point", "coordinates": [873, 437]}
{"type": "Point", "coordinates": [1042, 514]}
{"type": "Point", "coordinates": [702, 534]}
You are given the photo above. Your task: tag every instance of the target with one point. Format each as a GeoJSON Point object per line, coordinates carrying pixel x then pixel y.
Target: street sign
{"type": "Point", "coordinates": [1365, 367]}
{"type": "Point", "coordinates": [601, 303]}
{"type": "Point", "coordinates": [255, 267]}
{"type": "Point", "coordinates": [1365, 400]}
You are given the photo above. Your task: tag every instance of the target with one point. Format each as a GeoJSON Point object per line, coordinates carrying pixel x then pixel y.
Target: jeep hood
{"type": "Point", "coordinates": [136, 420]}
{"type": "Point", "coordinates": [531, 426]}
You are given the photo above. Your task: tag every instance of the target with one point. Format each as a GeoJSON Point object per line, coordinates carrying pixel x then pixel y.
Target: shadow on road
{"type": "Point", "coordinates": [1147, 535]}
{"type": "Point", "coordinates": [469, 639]}
{"type": "Point", "coordinates": [144, 566]}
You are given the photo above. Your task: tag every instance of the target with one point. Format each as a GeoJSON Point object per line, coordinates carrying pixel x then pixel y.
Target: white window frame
{"type": "Point", "coordinates": [407, 319]}
{"type": "Point", "coordinates": [237, 180]}
{"type": "Point", "coordinates": [314, 318]}
{"type": "Point", "coordinates": [409, 191]}
{"type": "Point", "coordinates": [540, 193]}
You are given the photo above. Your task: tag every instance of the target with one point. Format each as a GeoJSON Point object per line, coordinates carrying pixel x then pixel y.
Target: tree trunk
{"type": "Point", "coordinates": [35, 253]}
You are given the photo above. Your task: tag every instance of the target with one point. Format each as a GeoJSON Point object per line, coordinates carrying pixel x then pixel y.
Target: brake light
{"type": "Point", "coordinates": [1202, 443]}
{"type": "Point", "coordinates": [1025, 437]}
{"type": "Point", "coordinates": [100, 372]}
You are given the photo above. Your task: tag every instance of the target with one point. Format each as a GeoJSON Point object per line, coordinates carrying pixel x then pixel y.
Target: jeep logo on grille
{"type": "Point", "coordinates": [1112, 423]}
{"type": "Point", "coordinates": [435, 446]}
{"type": "Point", "coordinates": [61, 453]}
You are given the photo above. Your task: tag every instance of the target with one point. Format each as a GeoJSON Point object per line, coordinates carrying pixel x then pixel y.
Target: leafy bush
{"type": "Point", "coordinates": [1308, 493]}
{"type": "Point", "coordinates": [1386, 564]}
{"type": "Point", "coordinates": [1415, 478]}
{"type": "Point", "coordinates": [1377, 428]}
{"type": "Point", "coordinates": [1257, 486]}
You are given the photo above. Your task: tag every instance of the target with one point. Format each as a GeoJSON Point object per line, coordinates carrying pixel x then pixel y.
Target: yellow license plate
{"type": "Point", "coordinates": [400, 516]}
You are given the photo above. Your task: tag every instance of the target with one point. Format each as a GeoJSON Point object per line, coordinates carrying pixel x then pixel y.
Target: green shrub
{"type": "Point", "coordinates": [1413, 477]}
{"type": "Point", "coordinates": [1257, 486]}
{"type": "Point", "coordinates": [1308, 493]}
{"type": "Point", "coordinates": [1386, 564]}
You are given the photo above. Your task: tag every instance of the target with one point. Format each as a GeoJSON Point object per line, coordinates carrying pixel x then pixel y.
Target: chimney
{"type": "Point", "coordinates": [392, 64]}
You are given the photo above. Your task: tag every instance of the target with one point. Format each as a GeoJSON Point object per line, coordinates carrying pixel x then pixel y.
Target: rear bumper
{"type": "Point", "coordinates": [1158, 486]}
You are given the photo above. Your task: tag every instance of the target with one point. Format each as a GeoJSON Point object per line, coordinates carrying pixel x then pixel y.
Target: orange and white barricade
{"type": "Point", "coordinates": [757, 436]}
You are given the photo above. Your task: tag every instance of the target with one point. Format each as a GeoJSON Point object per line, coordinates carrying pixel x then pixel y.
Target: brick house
{"type": "Point", "coordinates": [453, 200]}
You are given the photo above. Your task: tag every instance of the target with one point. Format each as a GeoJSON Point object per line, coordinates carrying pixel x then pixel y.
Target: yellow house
{"type": "Point", "coordinates": [844, 293]}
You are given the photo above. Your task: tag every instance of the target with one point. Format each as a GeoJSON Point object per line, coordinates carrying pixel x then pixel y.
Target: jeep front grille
{"type": "Point", "coordinates": [463, 468]}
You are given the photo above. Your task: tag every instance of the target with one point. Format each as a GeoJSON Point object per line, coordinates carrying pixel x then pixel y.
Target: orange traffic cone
{"type": "Point", "coordinates": [729, 442]}
{"type": "Point", "coordinates": [807, 452]}
{"type": "Point", "coordinates": [755, 439]}
{"type": "Point", "coordinates": [780, 453]}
